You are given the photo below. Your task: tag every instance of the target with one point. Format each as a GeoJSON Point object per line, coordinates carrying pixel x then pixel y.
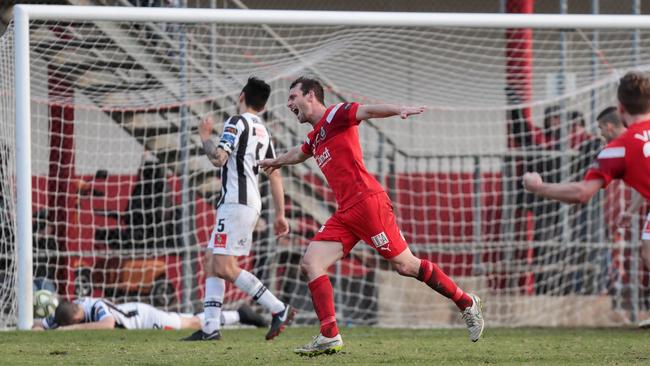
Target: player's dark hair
{"type": "Point", "coordinates": [634, 92]}
{"type": "Point", "coordinates": [551, 132]}
{"type": "Point", "coordinates": [256, 93]}
{"type": "Point", "coordinates": [551, 112]}
{"type": "Point", "coordinates": [307, 84]}
{"type": "Point", "coordinates": [577, 118]}
{"type": "Point", "coordinates": [610, 115]}
{"type": "Point", "coordinates": [64, 314]}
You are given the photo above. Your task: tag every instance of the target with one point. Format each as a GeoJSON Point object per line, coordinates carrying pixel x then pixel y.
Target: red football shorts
{"type": "Point", "coordinates": [371, 220]}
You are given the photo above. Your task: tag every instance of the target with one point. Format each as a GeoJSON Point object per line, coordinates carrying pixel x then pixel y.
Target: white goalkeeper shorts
{"type": "Point", "coordinates": [233, 231]}
{"type": "Point", "coordinates": [646, 229]}
{"type": "Point", "coordinates": [136, 315]}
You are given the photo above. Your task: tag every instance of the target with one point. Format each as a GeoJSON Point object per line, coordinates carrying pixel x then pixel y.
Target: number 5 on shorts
{"type": "Point", "coordinates": [220, 224]}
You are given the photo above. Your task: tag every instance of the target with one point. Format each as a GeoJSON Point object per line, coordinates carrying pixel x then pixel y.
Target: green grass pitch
{"type": "Point", "coordinates": [363, 346]}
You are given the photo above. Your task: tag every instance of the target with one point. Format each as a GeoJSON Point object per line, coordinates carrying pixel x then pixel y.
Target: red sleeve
{"type": "Point", "coordinates": [352, 113]}
{"type": "Point", "coordinates": [609, 165]}
{"type": "Point", "coordinates": [306, 148]}
{"type": "Point", "coordinates": [596, 174]}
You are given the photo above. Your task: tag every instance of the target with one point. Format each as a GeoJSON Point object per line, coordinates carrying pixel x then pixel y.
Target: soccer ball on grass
{"type": "Point", "coordinates": [45, 303]}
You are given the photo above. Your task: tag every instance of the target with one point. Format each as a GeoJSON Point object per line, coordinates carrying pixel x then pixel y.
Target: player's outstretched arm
{"type": "Point", "coordinates": [386, 110]}
{"type": "Point", "coordinates": [281, 226]}
{"type": "Point", "coordinates": [569, 192]}
{"type": "Point", "coordinates": [106, 323]}
{"type": "Point", "coordinates": [293, 156]}
{"type": "Point", "coordinates": [216, 155]}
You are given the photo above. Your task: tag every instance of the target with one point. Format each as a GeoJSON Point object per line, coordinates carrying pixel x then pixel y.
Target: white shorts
{"type": "Point", "coordinates": [136, 315]}
{"type": "Point", "coordinates": [645, 235]}
{"type": "Point", "coordinates": [233, 232]}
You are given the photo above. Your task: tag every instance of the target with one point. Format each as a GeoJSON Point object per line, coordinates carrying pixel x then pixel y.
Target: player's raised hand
{"type": "Point", "coordinates": [205, 127]}
{"type": "Point", "coordinates": [532, 181]}
{"type": "Point", "coordinates": [281, 226]}
{"type": "Point", "coordinates": [409, 111]}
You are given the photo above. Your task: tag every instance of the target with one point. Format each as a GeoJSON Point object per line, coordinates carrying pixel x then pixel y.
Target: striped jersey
{"type": "Point", "coordinates": [97, 309]}
{"type": "Point", "coordinates": [94, 310]}
{"type": "Point", "coordinates": [626, 158]}
{"type": "Point", "coordinates": [246, 140]}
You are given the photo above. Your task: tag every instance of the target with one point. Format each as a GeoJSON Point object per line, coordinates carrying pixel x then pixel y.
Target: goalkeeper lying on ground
{"type": "Point", "coordinates": [97, 313]}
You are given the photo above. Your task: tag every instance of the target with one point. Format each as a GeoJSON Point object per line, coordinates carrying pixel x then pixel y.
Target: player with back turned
{"type": "Point", "coordinates": [243, 142]}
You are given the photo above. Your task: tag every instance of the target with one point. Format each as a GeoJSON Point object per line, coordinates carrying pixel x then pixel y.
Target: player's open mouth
{"type": "Point", "coordinates": [295, 111]}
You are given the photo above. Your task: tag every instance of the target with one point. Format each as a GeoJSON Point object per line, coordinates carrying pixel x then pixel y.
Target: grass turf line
{"type": "Point", "coordinates": [363, 346]}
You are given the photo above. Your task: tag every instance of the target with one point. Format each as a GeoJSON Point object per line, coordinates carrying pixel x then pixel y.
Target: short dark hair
{"type": "Point", "coordinates": [307, 84]}
{"type": "Point", "coordinates": [550, 112]}
{"type": "Point", "coordinates": [634, 92]}
{"type": "Point", "coordinates": [256, 93]}
{"type": "Point", "coordinates": [577, 118]}
{"type": "Point", "coordinates": [610, 115]}
{"type": "Point", "coordinates": [64, 314]}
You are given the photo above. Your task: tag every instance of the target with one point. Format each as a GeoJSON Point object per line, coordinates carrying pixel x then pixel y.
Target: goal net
{"type": "Point", "coordinates": [123, 199]}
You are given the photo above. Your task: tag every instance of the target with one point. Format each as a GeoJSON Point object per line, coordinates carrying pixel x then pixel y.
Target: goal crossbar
{"type": "Point", "coordinates": [358, 18]}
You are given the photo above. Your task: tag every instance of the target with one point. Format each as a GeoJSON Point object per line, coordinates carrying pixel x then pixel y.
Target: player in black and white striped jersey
{"type": "Point", "coordinates": [244, 141]}
{"type": "Point", "coordinates": [98, 313]}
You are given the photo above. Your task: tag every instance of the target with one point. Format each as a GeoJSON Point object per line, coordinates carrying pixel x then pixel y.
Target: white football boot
{"type": "Point", "coordinates": [321, 345]}
{"type": "Point", "coordinates": [473, 317]}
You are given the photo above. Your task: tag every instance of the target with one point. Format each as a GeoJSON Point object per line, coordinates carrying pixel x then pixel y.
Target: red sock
{"type": "Point", "coordinates": [433, 276]}
{"type": "Point", "coordinates": [322, 295]}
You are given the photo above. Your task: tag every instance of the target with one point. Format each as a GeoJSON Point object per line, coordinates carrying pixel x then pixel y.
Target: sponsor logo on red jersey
{"type": "Point", "coordinates": [323, 158]}
{"type": "Point", "coordinates": [380, 240]}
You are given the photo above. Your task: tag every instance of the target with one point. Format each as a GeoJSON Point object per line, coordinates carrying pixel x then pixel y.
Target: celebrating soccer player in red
{"type": "Point", "coordinates": [364, 210]}
{"type": "Point", "coordinates": [626, 157]}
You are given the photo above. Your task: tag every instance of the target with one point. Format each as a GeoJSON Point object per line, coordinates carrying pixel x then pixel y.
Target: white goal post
{"type": "Point", "coordinates": [24, 14]}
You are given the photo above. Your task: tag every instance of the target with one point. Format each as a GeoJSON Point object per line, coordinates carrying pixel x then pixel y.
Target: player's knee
{"type": "Point", "coordinates": [209, 270]}
{"type": "Point", "coordinates": [309, 265]}
{"type": "Point", "coordinates": [406, 264]}
{"type": "Point", "coordinates": [219, 272]}
{"type": "Point", "coordinates": [225, 272]}
{"type": "Point", "coordinates": [404, 269]}
{"type": "Point", "coordinates": [304, 266]}
{"type": "Point", "coordinates": [208, 267]}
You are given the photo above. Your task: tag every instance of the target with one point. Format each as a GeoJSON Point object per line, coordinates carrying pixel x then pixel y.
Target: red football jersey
{"type": "Point", "coordinates": [626, 158]}
{"type": "Point", "coordinates": [334, 144]}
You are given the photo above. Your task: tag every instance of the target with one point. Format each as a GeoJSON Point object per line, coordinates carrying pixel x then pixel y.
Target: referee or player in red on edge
{"type": "Point", "coordinates": [364, 210]}
{"type": "Point", "coordinates": [627, 157]}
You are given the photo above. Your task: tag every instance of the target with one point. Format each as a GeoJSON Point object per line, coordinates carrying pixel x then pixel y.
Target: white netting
{"type": "Point", "coordinates": [7, 191]}
{"type": "Point", "coordinates": [119, 213]}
